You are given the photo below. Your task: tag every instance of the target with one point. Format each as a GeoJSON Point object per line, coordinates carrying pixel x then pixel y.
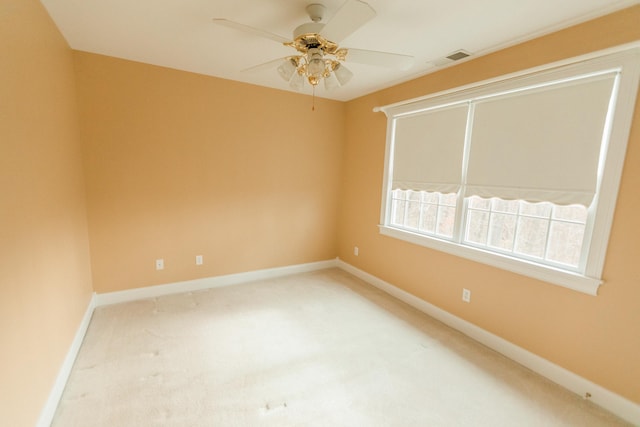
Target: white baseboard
{"type": "Point", "coordinates": [49, 410]}
{"type": "Point", "coordinates": [612, 402]}
{"type": "Point", "coordinates": [210, 282]}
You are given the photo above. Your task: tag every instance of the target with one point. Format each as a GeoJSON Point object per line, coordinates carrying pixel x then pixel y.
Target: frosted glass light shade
{"type": "Point", "coordinates": [286, 69]}
{"type": "Point", "coordinates": [297, 81]}
{"type": "Point", "coordinates": [330, 82]}
{"type": "Point", "coordinates": [343, 74]}
{"type": "Point", "coordinates": [315, 67]}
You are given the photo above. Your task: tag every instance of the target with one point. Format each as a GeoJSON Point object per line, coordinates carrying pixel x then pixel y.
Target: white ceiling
{"type": "Point", "coordinates": [180, 34]}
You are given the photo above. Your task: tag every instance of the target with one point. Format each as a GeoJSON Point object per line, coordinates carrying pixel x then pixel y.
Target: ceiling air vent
{"type": "Point", "coordinates": [455, 56]}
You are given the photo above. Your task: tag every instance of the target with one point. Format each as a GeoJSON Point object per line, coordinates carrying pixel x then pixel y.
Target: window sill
{"type": "Point", "coordinates": [570, 280]}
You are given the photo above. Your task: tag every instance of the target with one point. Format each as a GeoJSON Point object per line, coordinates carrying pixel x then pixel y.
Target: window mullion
{"type": "Point", "coordinates": [393, 208]}
{"type": "Point", "coordinates": [421, 211]}
{"type": "Point", "coordinates": [406, 207]}
{"type": "Point", "coordinates": [461, 205]}
{"type": "Point", "coordinates": [490, 223]}
{"type": "Point", "coordinates": [516, 229]}
{"type": "Point", "coordinates": [588, 236]}
{"type": "Point", "coordinates": [438, 214]}
{"type": "Point", "coordinates": [546, 243]}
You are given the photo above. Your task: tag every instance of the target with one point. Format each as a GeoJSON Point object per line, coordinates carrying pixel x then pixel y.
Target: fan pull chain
{"type": "Point", "coordinates": [313, 97]}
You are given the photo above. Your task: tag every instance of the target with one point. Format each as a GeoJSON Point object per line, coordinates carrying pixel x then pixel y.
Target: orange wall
{"type": "Point", "coordinates": [45, 280]}
{"type": "Point", "coordinates": [595, 337]}
{"type": "Point", "coordinates": [180, 164]}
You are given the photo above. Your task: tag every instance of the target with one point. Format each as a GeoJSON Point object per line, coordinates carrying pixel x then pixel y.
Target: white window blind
{"type": "Point", "coordinates": [540, 144]}
{"type": "Point", "coordinates": [428, 150]}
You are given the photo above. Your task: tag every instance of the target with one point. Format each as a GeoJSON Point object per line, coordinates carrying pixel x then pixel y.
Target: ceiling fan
{"type": "Point", "coordinates": [318, 55]}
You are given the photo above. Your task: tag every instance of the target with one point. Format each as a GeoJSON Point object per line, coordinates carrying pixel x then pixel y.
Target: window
{"type": "Point", "coordinates": [541, 232]}
{"type": "Point", "coordinates": [429, 213]}
{"type": "Point", "coordinates": [520, 173]}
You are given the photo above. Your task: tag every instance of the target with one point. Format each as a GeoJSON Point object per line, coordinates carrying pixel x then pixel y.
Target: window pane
{"type": "Point", "coordinates": [446, 220]}
{"type": "Point", "coordinates": [430, 197]}
{"type": "Point", "coordinates": [397, 212]}
{"type": "Point", "coordinates": [448, 199]}
{"type": "Point", "coordinates": [534, 230]}
{"type": "Point", "coordinates": [565, 243]}
{"type": "Point", "coordinates": [413, 214]}
{"type": "Point", "coordinates": [429, 212]}
{"type": "Point", "coordinates": [508, 206]}
{"type": "Point", "coordinates": [413, 195]}
{"type": "Point", "coordinates": [542, 210]}
{"type": "Point", "coordinates": [398, 194]}
{"type": "Point", "coordinates": [531, 236]}
{"type": "Point", "coordinates": [477, 227]}
{"type": "Point", "coordinates": [429, 215]}
{"type": "Point", "coordinates": [476, 202]}
{"type": "Point", "coordinates": [502, 231]}
{"type": "Point", "coordinates": [577, 213]}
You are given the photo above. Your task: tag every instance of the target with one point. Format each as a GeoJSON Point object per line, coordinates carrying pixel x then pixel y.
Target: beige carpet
{"type": "Point", "coordinates": [318, 349]}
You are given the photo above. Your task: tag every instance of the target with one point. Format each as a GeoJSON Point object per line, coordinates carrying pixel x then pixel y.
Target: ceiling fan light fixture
{"type": "Point", "coordinates": [314, 80]}
{"type": "Point", "coordinates": [316, 68]}
{"type": "Point", "coordinates": [297, 81]}
{"type": "Point", "coordinates": [341, 54]}
{"type": "Point", "coordinates": [287, 68]}
{"type": "Point", "coordinates": [315, 63]}
{"type": "Point", "coordinates": [330, 82]}
{"type": "Point", "coordinates": [318, 54]}
{"type": "Point", "coordinates": [342, 73]}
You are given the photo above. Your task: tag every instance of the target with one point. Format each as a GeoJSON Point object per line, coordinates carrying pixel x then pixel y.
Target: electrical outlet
{"type": "Point", "coordinates": [159, 264]}
{"type": "Point", "coordinates": [356, 251]}
{"type": "Point", "coordinates": [466, 295]}
{"type": "Point", "coordinates": [199, 260]}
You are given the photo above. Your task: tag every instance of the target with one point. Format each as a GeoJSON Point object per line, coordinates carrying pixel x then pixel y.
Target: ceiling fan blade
{"type": "Point", "coordinates": [250, 30]}
{"type": "Point", "coordinates": [380, 59]}
{"type": "Point", "coordinates": [352, 15]}
{"type": "Point", "coordinates": [265, 66]}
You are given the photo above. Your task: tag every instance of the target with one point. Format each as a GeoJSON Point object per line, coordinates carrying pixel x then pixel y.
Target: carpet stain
{"type": "Point", "coordinates": [270, 408]}
{"type": "Point", "coordinates": [78, 397]}
{"type": "Point", "coordinates": [154, 353]}
{"type": "Point", "coordinates": [154, 334]}
{"type": "Point", "coordinates": [154, 376]}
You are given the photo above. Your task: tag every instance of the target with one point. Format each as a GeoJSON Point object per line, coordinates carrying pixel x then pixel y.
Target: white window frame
{"type": "Point", "coordinates": [587, 279]}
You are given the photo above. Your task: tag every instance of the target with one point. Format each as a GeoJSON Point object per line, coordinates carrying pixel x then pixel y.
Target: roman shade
{"type": "Point", "coordinates": [540, 144]}
{"type": "Point", "coordinates": [428, 150]}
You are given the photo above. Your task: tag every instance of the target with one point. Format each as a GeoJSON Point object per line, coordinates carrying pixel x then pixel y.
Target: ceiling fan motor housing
{"type": "Point", "coordinates": [316, 12]}
{"type": "Point", "coordinates": [307, 28]}
{"type": "Point", "coordinates": [307, 36]}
